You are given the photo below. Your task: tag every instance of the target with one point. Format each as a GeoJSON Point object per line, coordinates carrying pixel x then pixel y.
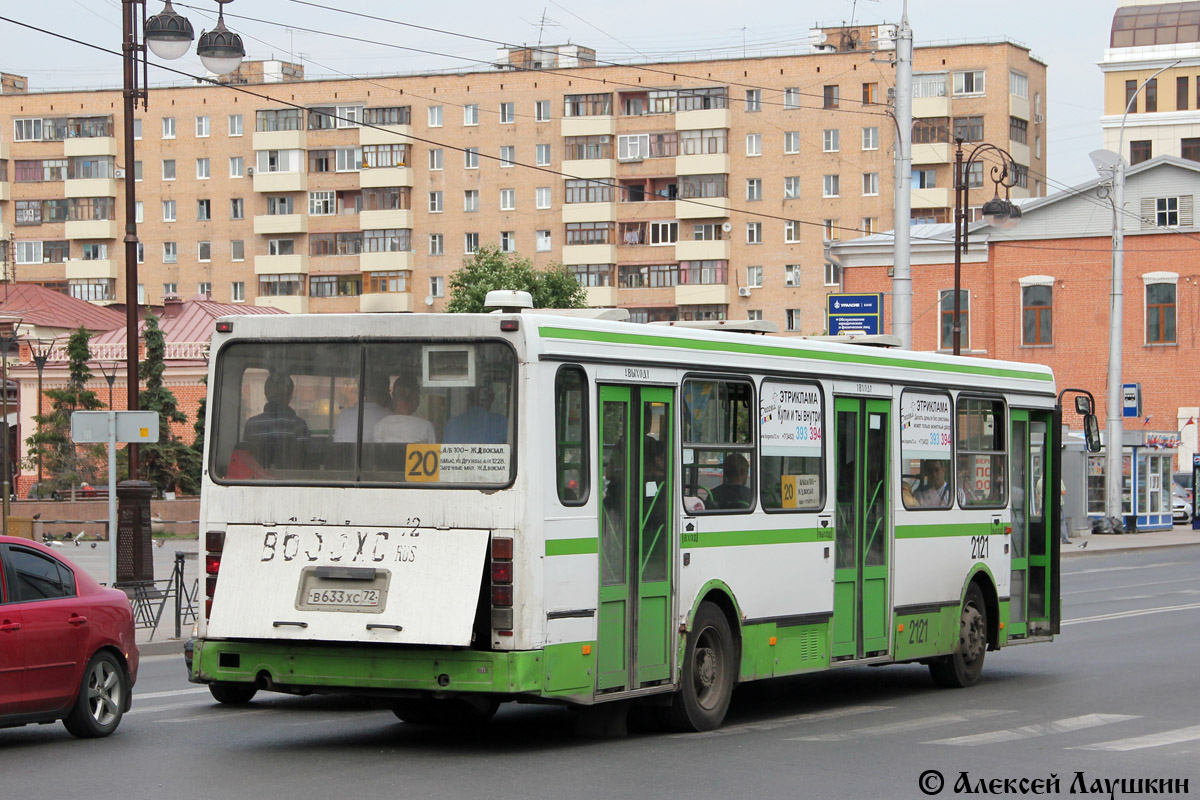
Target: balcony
{"type": "Point", "coordinates": [90, 146]}
{"type": "Point", "coordinates": [589, 254]}
{"type": "Point", "coordinates": [1019, 152]}
{"type": "Point", "coordinates": [926, 107]}
{"type": "Point", "coordinates": [92, 229]}
{"type": "Point", "coordinates": [932, 153]}
{"type": "Point", "coordinates": [702, 295]}
{"type": "Point", "coordinates": [279, 140]}
{"type": "Point", "coordinates": [386, 262]}
{"type": "Point", "coordinates": [3, 151]}
{"type": "Point", "coordinates": [292, 304]}
{"type": "Point", "coordinates": [90, 187]}
{"type": "Point", "coordinates": [1019, 107]}
{"type": "Point", "coordinates": [78, 269]}
{"type": "Point", "coordinates": [591, 168]}
{"type": "Point", "coordinates": [932, 198]}
{"type": "Point", "coordinates": [296, 264]}
{"type": "Point", "coordinates": [280, 182]}
{"type": "Point", "coordinates": [703, 119]}
{"type": "Point", "coordinates": [702, 251]}
{"type": "Point", "coordinates": [393, 302]}
{"type": "Point", "coordinates": [5, 191]}
{"type": "Point", "coordinates": [384, 220]}
{"type": "Point", "coordinates": [707, 164]}
{"type": "Point", "coordinates": [600, 296]}
{"type": "Point", "coordinates": [268, 224]}
{"type": "Point", "coordinates": [703, 208]}
{"type": "Point", "coordinates": [589, 212]}
{"type": "Point", "coordinates": [589, 126]}
{"type": "Point", "coordinates": [385, 134]}
{"type": "Point", "coordinates": [385, 176]}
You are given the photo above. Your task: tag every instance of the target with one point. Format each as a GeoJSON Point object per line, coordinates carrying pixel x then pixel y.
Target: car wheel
{"type": "Point", "coordinates": [102, 699]}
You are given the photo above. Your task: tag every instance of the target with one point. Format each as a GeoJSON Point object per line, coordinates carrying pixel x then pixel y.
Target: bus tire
{"type": "Point", "coordinates": [962, 668]}
{"type": "Point", "coordinates": [451, 713]}
{"type": "Point", "coordinates": [708, 675]}
{"type": "Point", "coordinates": [233, 694]}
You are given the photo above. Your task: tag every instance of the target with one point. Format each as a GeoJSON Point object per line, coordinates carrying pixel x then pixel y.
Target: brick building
{"type": "Point", "coordinates": [702, 189]}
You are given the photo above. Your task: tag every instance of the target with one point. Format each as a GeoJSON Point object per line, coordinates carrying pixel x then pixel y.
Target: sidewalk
{"type": "Point", "coordinates": [1179, 536]}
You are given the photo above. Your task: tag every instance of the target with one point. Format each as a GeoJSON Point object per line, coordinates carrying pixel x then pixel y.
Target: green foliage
{"type": "Point", "coordinates": [65, 464]}
{"type": "Point", "coordinates": [490, 269]}
{"type": "Point", "coordinates": [169, 463]}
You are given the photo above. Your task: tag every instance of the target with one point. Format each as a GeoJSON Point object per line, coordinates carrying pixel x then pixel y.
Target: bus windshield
{"type": "Point", "coordinates": [425, 413]}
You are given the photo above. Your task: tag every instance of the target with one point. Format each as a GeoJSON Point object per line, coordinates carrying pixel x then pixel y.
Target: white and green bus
{"type": "Point", "coordinates": [447, 511]}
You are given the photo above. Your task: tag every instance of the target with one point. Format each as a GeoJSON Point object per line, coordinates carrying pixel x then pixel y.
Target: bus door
{"type": "Point", "coordinates": [1034, 489]}
{"type": "Point", "coordinates": [636, 537]}
{"type": "Point", "coordinates": [862, 536]}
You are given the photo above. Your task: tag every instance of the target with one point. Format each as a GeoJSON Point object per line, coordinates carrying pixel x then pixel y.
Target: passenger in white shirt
{"type": "Point", "coordinates": [374, 409]}
{"type": "Point", "coordinates": [403, 426]}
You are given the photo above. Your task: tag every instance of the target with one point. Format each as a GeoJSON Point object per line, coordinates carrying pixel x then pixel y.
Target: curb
{"type": "Point", "coordinates": [1076, 553]}
{"type": "Point", "coordinates": [163, 648]}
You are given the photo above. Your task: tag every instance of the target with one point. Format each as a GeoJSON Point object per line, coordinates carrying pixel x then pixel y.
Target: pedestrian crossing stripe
{"type": "Point", "coordinates": [1032, 731]}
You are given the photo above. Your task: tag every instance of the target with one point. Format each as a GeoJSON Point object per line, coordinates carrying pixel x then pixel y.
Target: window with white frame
{"type": "Point", "coordinates": [663, 233]}
{"type": "Point", "coordinates": [968, 82]}
{"type": "Point", "coordinates": [867, 225]}
{"type": "Point", "coordinates": [946, 319]}
{"type": "Point", "coordinates": [139, 212]}
{"type": "Point", "coordinates": [791, 231]}
{"type": "Point", "coordinates": [543, 197]}
{"type": "Point", "coordinates": [793, 319]}
{"type": "Point", "coordinates": [168, 127]}
{"type": "Point", "coordinates": [833, 274]}
{"type": "Point", "coordinates": [168, 209]}
{"type": "Point", "coordinates": [1037, 310]}
{"type": "Point", "coordinates": [791, 187]}
{"type": "Point", "coordinates": [508, 113]}
{"type": "Point", "coordinates": [1161, 290]}
{"type": "Point", "coordinates": [543, 243]}
{"type": "Point", "coordinates": [471, 158]}
{"type": "Point", "coordinates": [508, 241]}
{"type": "Point", "coordinates": [542, 155]}
{"type": "Point", "coordinates": [137, 130]}
{"type": "Point", "coordinates": [470, 243]}
{"type": "Point", "coordinates": [435, 202]}
{"type": "Point", "coordinates": [791, 275]}
{"type": "Point", "coordinates": [831, 186]}
{"type": "Point", "coordinates": [1018, 83]}
{"type": "Point", "coordinates": [833, 231]}
{"type": "Point", "coordinates": [830, 140]}
{"type": "Point", "coordinates": [237, 292]}
{"type": "Point", "coordinates": [27, 130]}
{"type": "Point", "coordinates": [237, 166]}
{"type": "Point", "coordinates": [204, 251]}
{"type": "Point", "coordinates": [322, 204]}
{"type": "Point", "coordinates": [791, 97]}
{"type": "Point", "coordinates": [349, 159]}
{"type": "Point", "coordinates": [435, 159]}
{"type": "Point", "coordinates": [437, 286]}
{"type": "Point", "coordinates": [471, 200]}
{"type": "Point", "coordinates": [870, 184]}
{"type": "Point", "coordinates": [754, 144]}
{"type": "Point", "coordinates": [754, 100]}
{"type": "Point", "coordinates": [791, 142]}
{"type": "Point", "coordinates": [28, 252]}
{"type": "Point", "coordinates": [204, 210]}
{"type": "Point", "coordinates": [508, 199]}
{"type": "Point", "coordinates": [435, 116]}
{"type": "Point", "coordinates": [202, 169]}
{"type": "Point", "coordinates": [235, 124]}
{"type": "Point", "coordinates": [170, 252]}
{"type": "Point", "coordinates": [202, 127]}
{"type": "Point", "coordinates": [237, 208]}
{"type": "Point", "coordinates": [349, 116]}
{"type": "Point", "coordinates": [541, 111]}
{"type": "Point", "coordinates": [436, 244]}
{"type": "Point", "coordinates": [237, 250]}
{"type": "Point", "coordinates": [170, 288]}
{"type": "Point", "coordinates": [754, 277]}
{"type": "Point", "coordinates": [508, 155]}
{"type": "Point", "coordinates": [168, 169]}
{"type": "Point", "coordinates": [870, 138]}
{"type": "Point", "coordinates": [471, 115]}
{"type": "Point", "coordinates": [754, 188]}
{"type": "Point", "coordinates": [754, 233]}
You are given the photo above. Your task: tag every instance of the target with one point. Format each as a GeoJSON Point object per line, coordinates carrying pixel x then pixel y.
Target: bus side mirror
{"type": "Point", "coordinates": [1083, 405]}
{"type": "Point", "coordinates": [1091, 433]}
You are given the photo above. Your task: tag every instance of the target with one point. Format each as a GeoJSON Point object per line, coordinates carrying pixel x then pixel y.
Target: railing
{"type": "Point", "coordinates": [149, 599]}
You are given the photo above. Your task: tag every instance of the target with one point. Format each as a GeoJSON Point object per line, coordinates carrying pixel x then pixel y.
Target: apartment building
{"type": "Point", "coordinates": [682, 190]}
{"type": "Point", "coordinates": [1164, 120]}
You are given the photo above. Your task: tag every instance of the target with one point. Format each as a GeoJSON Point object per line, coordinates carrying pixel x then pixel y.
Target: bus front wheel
{"type": "Point", "coordinates": [709, 665]}
{"type": "Point", "coordinates": [962, 668]}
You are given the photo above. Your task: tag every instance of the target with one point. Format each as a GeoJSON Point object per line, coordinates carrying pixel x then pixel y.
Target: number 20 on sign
{"type": "Point", "coordinates": [422, 463]}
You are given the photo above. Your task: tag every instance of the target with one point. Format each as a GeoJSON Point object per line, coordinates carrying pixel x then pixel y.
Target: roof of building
{"type": "Point", "coordinates": [46, 308]}
{"type": "Point", "coordinates": [1163, 23]}
{"type": "Point", "coordinates": [193, 323]}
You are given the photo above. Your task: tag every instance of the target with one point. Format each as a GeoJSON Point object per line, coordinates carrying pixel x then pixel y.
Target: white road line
{"type": "Point", "coordinates": [172, 693]}
{"type": "Point", "coordinates": [1033, 731]}
{"type": "Point", "coordinates": [1118, 569]}
{"type": "Point", "coordinates": [172, 707]}
{"type": "Point", "coordinates": [1142, 742]}
{"type": "Point", "coordinates": [903, 727]}
{"type": "Point", "coordinates": [797, 719]}
{"type": "Point", "coordinates": [1135, 613]}
{"type": "Point", "coordinates": [221, 717]}
{"type": "Point", "coordinates": [1130, 586]}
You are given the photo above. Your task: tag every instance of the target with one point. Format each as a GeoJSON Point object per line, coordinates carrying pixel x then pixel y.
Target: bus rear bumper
{"type": "Point", "coordinates": [338, 668]}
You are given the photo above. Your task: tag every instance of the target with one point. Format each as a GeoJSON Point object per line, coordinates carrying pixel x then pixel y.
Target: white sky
{"type": "Point", "coordinates": [1068, 35]}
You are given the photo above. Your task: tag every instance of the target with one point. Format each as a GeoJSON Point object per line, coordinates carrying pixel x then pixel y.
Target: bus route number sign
{"type": "Point", "coordinates": [422, 462]}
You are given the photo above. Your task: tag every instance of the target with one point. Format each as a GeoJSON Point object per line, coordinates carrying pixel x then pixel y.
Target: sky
{"type": "Point", "coordinates": [1068, 35]}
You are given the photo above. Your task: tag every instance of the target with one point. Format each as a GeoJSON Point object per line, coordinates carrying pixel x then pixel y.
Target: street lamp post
{"type": "Point", "coordinates": [9, 330]}
{"type": "Point", "coordinates": [997, 211]}
{"type": "Point", "coordinates": [109, 370]}
{"type": "Point", "coordinates": [41, 354]}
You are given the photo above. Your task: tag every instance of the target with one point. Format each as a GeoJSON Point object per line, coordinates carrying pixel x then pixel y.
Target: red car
{"type": "Point", "coordinates": [67, 648]}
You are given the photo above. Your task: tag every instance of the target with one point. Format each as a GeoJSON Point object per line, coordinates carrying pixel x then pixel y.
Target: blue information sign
{"type": "Point", "coordinates": [854, 313]}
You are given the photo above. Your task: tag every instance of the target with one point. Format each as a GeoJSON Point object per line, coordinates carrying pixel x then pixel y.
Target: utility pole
{"type": "Point", "coordinates": [902, 258]}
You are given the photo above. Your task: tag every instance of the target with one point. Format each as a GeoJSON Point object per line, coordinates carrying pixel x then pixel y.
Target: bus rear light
{"type": "Point", "coordinates": [502, 549]}
{"type": "Point", "coordinates": [502, 595]}
{"type": "Point", "coordinates": [210, 586]}
{"type": "Point", "coordinates": [212, 563]}
{"type": "Point", "coordinates": [502, 572]}
{"type": "Point", "coordinates": [208, 608]}
{"type": "Point", "coordinates": [502, 618]}
{"type": "Point", "coordinates": [214, 541]}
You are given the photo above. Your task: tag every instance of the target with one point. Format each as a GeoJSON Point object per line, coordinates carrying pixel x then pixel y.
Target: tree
{"type": "Point", "coordinates": [169, 463]}
{"type": "Point", "coordinates": [489, 269]}
{"type": "Point", "coordinates": [66, 464]}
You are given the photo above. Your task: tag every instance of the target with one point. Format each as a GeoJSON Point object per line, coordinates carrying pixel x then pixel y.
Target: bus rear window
{"type": "Point", "coordinates": [419, 413]}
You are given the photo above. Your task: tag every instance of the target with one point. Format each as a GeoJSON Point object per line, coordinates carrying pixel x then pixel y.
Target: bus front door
{"type": "Point", "coordinates": [636, 537]}
{"type": "Point", "coordinates": [1033, 540]}
{"type": "Point", "coordinates": [861, 598]}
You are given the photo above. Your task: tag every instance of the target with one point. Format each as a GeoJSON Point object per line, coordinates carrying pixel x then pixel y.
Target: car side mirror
{"type": "Point", "coordinates": [1091, 433]}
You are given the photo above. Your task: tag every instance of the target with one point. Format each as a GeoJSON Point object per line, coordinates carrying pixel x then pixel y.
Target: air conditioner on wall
{"type": "Point", "coordinates": [743, 291]}
{"type": "Point", "coordinates": [118, 173]}
{"type": "Point", "coordinates": [250, 171]}
{"type": "Point", "coordinates": [1039, 118]}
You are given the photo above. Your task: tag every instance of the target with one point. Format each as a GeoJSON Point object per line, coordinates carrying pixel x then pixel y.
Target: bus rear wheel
{"type": "Point", "coordinates": [709, 665]}
{"type": "Point", "coordinates": [453, 713]}
{"type": "Point", "coordinates": [233, 694]}
{"type": "Point", "coordinates": [962, 668]}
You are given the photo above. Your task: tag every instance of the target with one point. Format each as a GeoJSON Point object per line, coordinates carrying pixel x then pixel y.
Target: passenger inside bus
{"type": "Point", "coordinates": [276, 436]}
{"type": "Point", "coordinates": [376, 407]}
{"type": "Point", "coordinates": [733, 491]}
{"type": "Point", "coordinates": [404, 425]}
{"type": "Point", "coordinates": [933, 492]}
{"type": "Point", "coordinates": [478, 424]}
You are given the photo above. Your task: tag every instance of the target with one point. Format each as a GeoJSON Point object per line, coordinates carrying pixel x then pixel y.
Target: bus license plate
{"type": "Point", "coordinates": [364, 598]}
{"type": "Point", "coordinates": [320, 593]}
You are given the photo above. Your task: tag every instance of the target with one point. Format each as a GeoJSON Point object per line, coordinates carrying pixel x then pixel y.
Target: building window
{"type": "Point", "coordinates": [281, 247]}
{"type": "Point", "coordinates": [1182, 95]}
{"type": "Point", "coordinates": [791, 187]}
{"type": "Point", "coordinates": [235, 124]}
{"type": "Point", "coordinates": [543, 197]}
{"type": "Point", "coordinates": [832, 231]}
{"type": "Point", "coordinates": [754, 314]}
{"type": "Point", "coordinates": [870, 184]}
{"type": "Point", "coordinates": [168, 127]}
{"type": "Point", "coordinates": [924, 178]}
{"type": "Point", "coordinates": [137, 171]}
{"type": "Point", "coordinates": [322, 204]}
{"type": "Point", "coordinates": [435, 116]}
{"type": "Point", "coordinates": [1160, 312]}
{"type": "Point", "coordinates": [353, 159]}
{"type": "Point", "coordinates": [831, 186]}
{"type": "Point", "coordinates": [139, 212]}
{"type": "Point", "coordinates": [508, 155]}
{"type": "Point", "coordinates": [1037, 315]}
{"type": "Point", "coordinates": [946, 314]}
{"type": "Point", "coordinates": [587, 105]}
{"type": "Point", "coordinates": [28, 252]}
{"type": "Point", "coordinates": [470, 243]}
{"type": "Point", "coordinates": [754, 188]}
{"type": "Point", "coordinates": [471, 200]}
{"type": "Point", "coordinates": [541, 111]}
{"type": "Point", "coordinates": [754, 277]}
{"type": "Point", "coordinates": [204, 251]}
{"type": "Point", "coordinates": [870, 94]}
{"type": "Point", "coordinates": [791, 276]}
{"type": "Point", "coordinates": [1130, 96]}
{"type": "Point", "coordinates": [829, 95]}
{"type": "Point", "coordinates": [1151, 92]}
{"type": "Point", "coordinates": [830, 140]}
{"type": "Point", "coordinates": [237, 166]}
{"type": "Point", "coordinates": [202, 127]}
{"type": "Point", "coordinates": [753, 100]}
{"type": "Point", "coordinates": [754, 233]}
{"type": "Point", "coordinates": [237, 250]}
{"type": "Point", "coordinates": [279, 204]}
{"type": "Point", "coordinates": [870, 138]}
{"type": "Point", "coordinates": [833, 274]}
{"type": "Point", "coordinates": [791, 142]}
{"type": "Point", "coordinates": [791, 231]}
{"type": "Point", "coordinates": [168, 169]}
{"type": "Point", "coordinates": [435, 244]}
{"type": "Point", "coordinates": [471, 158]}
{"type": "Point", "coordinates": [543, 242]}
{"type": "Point", "coordinates": [1167, 212]}
{"type": "Point", "coordinates": [170, 253]}
{"type": "Point", "coordinates": [137, 130]}
{"type": "Point", "coordinates": [1018, 84]}
{"type": "Point", "coordinates": [168, 208]}
{"type": "Point", "coordinates": [584, 191]}
{"type": "Point", "coordinates": [968, 82]}
{"type": "Point", "coordinates": [934, 130]}
{"type": "Point", "coordinates": [1140, 150]}
{"type": "Point", "coordinates": [975, 175]}
{"type": "Point", "coordinates": [237, 292]}
{"type": "Point", "coordinates": [542, 155]}
{"type": "Point", "coordinates": [508, 199]}
{"type": "Point", "coordinates": [471, 114]}
{"type": "Point", "coordinates": [508, 241]}
{"type": "Point", "coordinates": [237, 208]}
{"type": "Point", "coordinates": [969, 129]}
{"type": "Point", "coordinates": [281, 285]}
{"type": "Point", "coordinates": [754, 144]}
{"type": "Point", "coordinates": [1018, 130]}
{"type": "Point", "coordinates": [1190, 148]}
{"type": "Point", "coordinates": [793, 319]}
{"type": "Point", "coordinates": [867, 225]}
{"type": "Point", "coordinates": [435, 202]}
{"type": "Point", "coordinates": [202, 168]}
{"type": "Point", "coordinates": [437, 286]}
{"type": "Point", "coordinates": [203, 210]}
{"type": "Point", "coordinates": [390, 282]}
{"type": "Point", "coordinates": [435, 159]}
{"type": "Point", "coordinates": [791, 96]}
{"type": "Point", "coordinates": [508, 113]}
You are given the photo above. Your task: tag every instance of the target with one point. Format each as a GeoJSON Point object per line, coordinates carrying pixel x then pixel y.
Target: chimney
{"type": "Point", "coordinates": [172, 305]}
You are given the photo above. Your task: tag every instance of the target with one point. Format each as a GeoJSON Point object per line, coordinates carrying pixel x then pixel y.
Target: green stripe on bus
{"type": "Point", "coordinates": [572, 547]}
{"type": "Point", "coordinates": [740, 538]}
{"type": "Point", "coordinates": [551, 332]}
{"type": "Point", "coordinates": [941, 531]}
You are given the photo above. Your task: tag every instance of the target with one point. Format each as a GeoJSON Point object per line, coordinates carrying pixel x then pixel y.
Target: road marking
{"type": "Point", "coordinates": [172, 693]}
{"type": "Point", "coordinates": [1033, 731]}
{"type": "Point", "coordinates": [172, 707]}
{"type": "Point", "coordinates": [1119, 569]}
{"type": "Point", "coordinates": [1136, 613]}
{"type": "Point", "coordinates": [1142, 742]}
{"type": "Point", "coordinates": [221, 716]}
{"type": "Point", "coordinates": [1130, 586]}
{"type": "Point", "coordinates": [903, 727]}
{"type": "Point", "coordinates": [796, 719]}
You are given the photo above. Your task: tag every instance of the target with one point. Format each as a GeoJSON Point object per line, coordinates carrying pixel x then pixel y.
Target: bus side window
{"type": "Point", "coordinates": [718, 446]}
{"type": "Point", "coordinates": [570, 435]}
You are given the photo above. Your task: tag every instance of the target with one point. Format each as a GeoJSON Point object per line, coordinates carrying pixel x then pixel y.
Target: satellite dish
{"type": "Point", "coordinates": [428, 299]}
{"type": "Point", "coordinates": [1105, 160]}
{"type": "Point", "coordinates": [726, 226]}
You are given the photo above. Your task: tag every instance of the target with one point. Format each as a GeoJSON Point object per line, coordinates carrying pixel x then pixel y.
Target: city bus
{"type": "Point", "coordinates": [449, 511]}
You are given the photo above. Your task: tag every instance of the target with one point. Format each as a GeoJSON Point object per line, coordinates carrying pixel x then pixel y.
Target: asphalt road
{"type": "Point", "coordinates": [1113, 698]}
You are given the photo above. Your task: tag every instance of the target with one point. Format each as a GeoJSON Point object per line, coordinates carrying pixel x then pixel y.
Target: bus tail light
{"type": "Point", "coordinates": [502, 586]}
{"type": "Point", "coordinates": [502, 596]}
{"type": "Point", "coordinates": [214, 544]}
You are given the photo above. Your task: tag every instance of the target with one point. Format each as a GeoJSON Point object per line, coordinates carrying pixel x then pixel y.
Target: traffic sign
{"type": "Point", "coordinates": [1131, 400]}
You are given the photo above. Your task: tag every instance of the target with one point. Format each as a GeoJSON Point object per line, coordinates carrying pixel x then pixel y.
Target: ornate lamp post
{"type": "Point", "coordinates": [9, 330]}
{"type": "Point", "coordinates": [41, 354]}
{"type": "Point", "coordinates": [997, 211]}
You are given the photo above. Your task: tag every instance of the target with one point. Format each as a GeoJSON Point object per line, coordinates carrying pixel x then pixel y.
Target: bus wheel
{"type": "Point", "coordinates": [962, 668]}
{"type": "Point", "coordinates": [706, 684]}
{"type": "Point", "coordinates": [454, 713]}
{"type": "Point", "coordinates": [233, 694]}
